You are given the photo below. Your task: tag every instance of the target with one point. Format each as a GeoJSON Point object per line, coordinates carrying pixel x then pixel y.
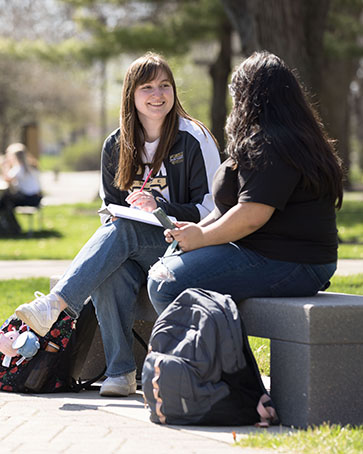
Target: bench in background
{"type": "Point", "coordinates": [31, 212]}
{"type": "Point", "coordinates": [316, 353]}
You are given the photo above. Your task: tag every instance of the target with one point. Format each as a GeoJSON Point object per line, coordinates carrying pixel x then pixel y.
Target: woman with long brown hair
{"type": "Point", "coordinates": [158, 141]}
{"type": "Point", "coordinates": [273, 230]}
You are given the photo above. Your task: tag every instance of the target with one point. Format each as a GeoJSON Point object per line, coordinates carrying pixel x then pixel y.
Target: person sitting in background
{"type": "Point", "coordinates": [22, 178]}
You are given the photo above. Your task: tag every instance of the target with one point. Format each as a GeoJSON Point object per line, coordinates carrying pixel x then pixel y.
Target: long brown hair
{"type": "Point", "coordinates": [271, 109]}
{"type": "Point", "coordinates": [132, 136]}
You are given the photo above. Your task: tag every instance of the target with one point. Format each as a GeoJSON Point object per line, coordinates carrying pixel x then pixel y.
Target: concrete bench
{"type": "Point", "coordinates": [316, 354]}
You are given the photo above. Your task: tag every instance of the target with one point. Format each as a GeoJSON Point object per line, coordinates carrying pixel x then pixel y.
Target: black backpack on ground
{"type": "Point", "coordinates": [200, 368]}
{"type": "Point", "coordinates": [47, 371]}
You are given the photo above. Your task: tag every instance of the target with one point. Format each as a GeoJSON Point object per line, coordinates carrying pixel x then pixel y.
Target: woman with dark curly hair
{"type": "Point", "coordinates": [273, 230]}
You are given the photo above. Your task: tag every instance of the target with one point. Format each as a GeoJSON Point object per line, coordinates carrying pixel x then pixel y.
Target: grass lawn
{"type": "Point", "coordinates": [66, 228]}
{"type": "Point", "coordinates": [316, 440]}
{"type": "Point", "coordinates": [350, 225]}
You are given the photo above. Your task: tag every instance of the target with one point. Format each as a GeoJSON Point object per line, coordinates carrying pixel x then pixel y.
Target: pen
{"type": "Point", "coordinates": [146, 179]}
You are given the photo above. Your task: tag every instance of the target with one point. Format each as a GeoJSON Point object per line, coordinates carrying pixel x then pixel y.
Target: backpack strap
{"type": "Point", "coordinates": [140, 340]}
{"type": "Point", "coordinates": [77, 386]}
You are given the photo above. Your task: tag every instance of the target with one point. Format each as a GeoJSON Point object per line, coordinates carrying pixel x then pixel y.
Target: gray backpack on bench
{"type": "Point", "coordinates": [200, 368]}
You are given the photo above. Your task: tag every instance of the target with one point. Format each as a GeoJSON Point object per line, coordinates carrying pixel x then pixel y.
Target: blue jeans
{"type": "Point", "coordinates": [111, 267]}
{"type": "Point", "coordinates": [230, 269]}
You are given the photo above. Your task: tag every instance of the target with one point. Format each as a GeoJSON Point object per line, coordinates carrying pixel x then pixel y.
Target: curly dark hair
{"type": "Point", "coordinates": [271, 109]}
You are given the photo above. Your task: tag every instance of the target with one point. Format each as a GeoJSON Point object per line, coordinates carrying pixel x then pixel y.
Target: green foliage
{"type": "Point", "coordinates": [169, 27]}
{"type": "Point", "coordinates": [50, 162]}
{"type": "Point", "coordinates": [344, 29]}
{"type": "Point", "coordinates": [85, 154]}
{"type": "Point", "coordinates": [356, 174]}
{"type": "Point", "coordinates": [191, 80]}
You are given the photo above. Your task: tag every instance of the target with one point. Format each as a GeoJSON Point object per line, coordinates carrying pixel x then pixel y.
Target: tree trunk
{"type": "Point", "coordinates": [5, 134]}
{"type": "Point", "coordinates": [219, 72]}
{"type": "Point", "coordinates": [103, 101]}
{"type": "Point", "coordinates": [293, 30]}
{"type": "Point", "coordinates": [338, 74]}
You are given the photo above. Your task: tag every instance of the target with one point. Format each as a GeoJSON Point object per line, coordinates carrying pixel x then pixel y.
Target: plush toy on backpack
{"type": "Point", "coordinates": [16, 343]}
{"type": "Point", "coordinates": [50, 363]}
{"type": "Point", "coordinates": [21, 349]}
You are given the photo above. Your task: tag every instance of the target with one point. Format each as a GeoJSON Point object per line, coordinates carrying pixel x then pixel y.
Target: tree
{"type": "Point", "coordinates": [293, 30]}
{"type": "Point", "coordinates": [31, 90]}
{"type": "Point", "coordinates": [318, 39]}
{"type": "Point", "coordinates": [340, 62]}
{"type": "Point", "coordinates": [109, 28]}
{"type": "Point", "coordinates": [167, 26]}
{"type": "Point", "coordinates": [23, 99]}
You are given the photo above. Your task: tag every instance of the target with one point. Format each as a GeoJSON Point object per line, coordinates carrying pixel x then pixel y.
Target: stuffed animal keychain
{"type": "Point", "coordinates": [16, 343]}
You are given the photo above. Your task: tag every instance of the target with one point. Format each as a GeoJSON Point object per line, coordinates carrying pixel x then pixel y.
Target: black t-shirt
{"type": "Point", "coordinates": [302, 228]}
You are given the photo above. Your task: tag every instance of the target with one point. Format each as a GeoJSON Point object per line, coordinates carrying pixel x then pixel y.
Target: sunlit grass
{"type": "Point", "coordinates": [324, 439]}
{"type": "Point", "coordinates": [350, 225]}
{"type": "Point", "coordinates": [17, 291]}
{"type": "Point", "coordinates": [65, 230]}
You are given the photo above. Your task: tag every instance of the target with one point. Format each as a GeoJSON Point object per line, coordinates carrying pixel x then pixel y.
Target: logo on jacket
{"type": "Point", "coordinates": [157, 183]}
{"type": "Point", "coordinates": [176, 158]}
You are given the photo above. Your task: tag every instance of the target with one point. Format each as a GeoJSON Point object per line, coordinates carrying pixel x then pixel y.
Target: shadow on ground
{"type": "Point", "coordinates": [39, 235]}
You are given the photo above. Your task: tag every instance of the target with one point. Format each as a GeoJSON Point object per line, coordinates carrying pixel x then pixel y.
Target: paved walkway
{"type": "Point", "coordinates": [69, 187]}
{"type": "Point", "coordinates": [85, 423]}
{"type": "Point", "coordinates": [11, 269]}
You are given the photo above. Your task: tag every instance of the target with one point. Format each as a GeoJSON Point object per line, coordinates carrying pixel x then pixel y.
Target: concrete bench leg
{"type": "Point", "coordinates": [311, 384]}
{"type": "Point", "coordinates": [316, 355]}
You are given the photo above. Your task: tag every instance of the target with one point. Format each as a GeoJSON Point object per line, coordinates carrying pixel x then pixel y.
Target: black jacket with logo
{"type": "Point", "coordinates": [190, 164]}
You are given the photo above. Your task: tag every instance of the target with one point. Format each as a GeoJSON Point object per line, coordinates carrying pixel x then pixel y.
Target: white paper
{"type": "Point", "coordinates": [134, 214]}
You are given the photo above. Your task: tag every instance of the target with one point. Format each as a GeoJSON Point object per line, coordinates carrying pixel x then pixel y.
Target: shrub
{"type": "Point", "coordinates": [82, 155]}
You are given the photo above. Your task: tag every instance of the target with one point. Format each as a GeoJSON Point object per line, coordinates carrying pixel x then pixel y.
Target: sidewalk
{"type": "Point", "coordinates": [69, 187]}
{"type": "Point", "coordinates": [17, 269]}
{"type": "Point", "coordinates": [86, 423]}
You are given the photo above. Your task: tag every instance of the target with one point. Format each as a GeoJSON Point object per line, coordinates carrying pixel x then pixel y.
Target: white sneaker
{"type": "Point", "coordinates": [119, 386]}
{"type": "Point", "coordinates": [41, 313]}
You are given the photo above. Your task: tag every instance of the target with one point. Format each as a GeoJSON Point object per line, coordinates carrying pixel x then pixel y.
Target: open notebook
{"type": "Point", "coordinates": [134, 214]}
